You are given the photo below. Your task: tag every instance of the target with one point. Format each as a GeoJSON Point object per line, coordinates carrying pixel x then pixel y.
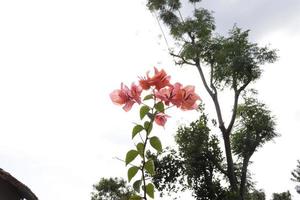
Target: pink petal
{"type": "Point", "coordinates": [128, 105]}
{"type": "Point", "coordinates": [161, 119]}
{"type": "Point", "coordinates": [117, 98]}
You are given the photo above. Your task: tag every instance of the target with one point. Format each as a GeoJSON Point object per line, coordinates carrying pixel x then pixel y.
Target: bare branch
{"type": "Point", "coordinates": [235, 104]}
{"type": "Point", "coordinates": [211, 78]}
{"type": "Point", "coordinates": [233, 117]}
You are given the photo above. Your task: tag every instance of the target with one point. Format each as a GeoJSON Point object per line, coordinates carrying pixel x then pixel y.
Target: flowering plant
{"type": "Point", "coordinates": [164, 95]}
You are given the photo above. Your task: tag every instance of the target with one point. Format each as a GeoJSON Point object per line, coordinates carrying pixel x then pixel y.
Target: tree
{"type": "Point", "coordinates": [196, 166]}
{"type": "Point", "coordinates": [232, 62]}
{"type": "Point", "coordinates": [111, 189]}
{"type": "Point", "coordinates": [282, 196]}
{"type": "Point", "coordinates": [199, 163]}
{"type": "Point", "coordinates": [296, 176]}
{"type": "Point", "coordinates": [203, 159]}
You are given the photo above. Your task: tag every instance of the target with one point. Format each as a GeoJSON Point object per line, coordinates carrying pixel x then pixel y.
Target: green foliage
{"type": "Point", "coordinates": [144, 111]}
{"type": "Point", "coordinates": [150, 190]}
{"type": "Point", "coordinates": [203, 159]}
{"type": "Point", "coordinates": [137, 129]}
{"type": "Point", "coordinates": [148, 127]}
{"type": "Point", "coordinates": [282, 196]}
{"type": "Point", "coordinates": [137, 185]}
{"type": "Point", "coordinates": [236, 61]}
{"type": "Point", "coordinates": [255, 127]}
{"type": "Point", "coordinates": [168, 174]}
{"type": "Point", "coordinates": [132, 172]}
{"type": "Point", "coordinates": [156, 4]}
{"type": "Point", "coordinates": [160, 107]}
{"type": "Point", "coordinates": [197, 166]}
{"type": "Point", "coordinates": [148, 97]}
{"type": "Point", "coordinates": [155, 143]}
{"type": "Point", "coordinates": [135, 197]}
{"type": "Point", "coordinates": [149, 167]}
{"type": "Point", "coordinates": [140, 148]}
{"type": "Point", "coordinates": [111, 189]}
{"type": "Point", "coordinates": [130, 156]}
{"type": "Point", "coordinates": [256, 195]}
{"type": "Point", "coordinates": [296, 173]}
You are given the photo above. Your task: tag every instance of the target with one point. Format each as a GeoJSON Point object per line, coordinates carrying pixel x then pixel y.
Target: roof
{"type": "Point", "coordinates": [23, 190]}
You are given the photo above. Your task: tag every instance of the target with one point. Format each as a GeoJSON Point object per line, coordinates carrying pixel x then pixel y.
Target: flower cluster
{"type": "Point", "coordinates": [163, 95]}
{"type": "Point", "coordinates": [183, 97]}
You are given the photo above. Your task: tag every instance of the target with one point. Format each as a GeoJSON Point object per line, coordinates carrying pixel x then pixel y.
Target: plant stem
{"type": "Point", "coordinates": [144, 152]}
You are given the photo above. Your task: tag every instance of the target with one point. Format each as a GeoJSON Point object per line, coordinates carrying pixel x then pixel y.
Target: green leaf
{"type": "Point", "coordinates": [149, 167]}
{"type": "Point", "coordinates": [137, 186]}
{"type": "Point", "coordinates": [143, 111]}
{"type": "Point", "coordinates": [140, 148]}
{"type": "Point", "coordinates": [150, 190]}
{"type": "Point", "coordinates": [136, 129]}
{"type": "Point", "coordinates": [132, 172]}
{"type": "Point", "coordinates": [156, 144]}
{"type": "Point", "coordinates": [160, 107]}
{"type": "Point", "coordinates": [130, 156]}
{"type": "Point", "coordinates": [149, 96]}
{"type": "Point", "coordinates": [148, 127]}
{"type": "Point", "coordinates": [135, 197]}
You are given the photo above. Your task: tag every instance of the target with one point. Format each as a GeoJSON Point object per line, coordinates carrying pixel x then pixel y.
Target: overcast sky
{"type": "Point", "coordinates": [60, 59]}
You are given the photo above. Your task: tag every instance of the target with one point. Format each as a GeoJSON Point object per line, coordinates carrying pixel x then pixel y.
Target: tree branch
{"type": "Point", "coordinates": [244, 176]}
{"type": "Point", "coordinates": [237, 93]}
{"type": "Point", "coordinates": [184, 61]}
{"type": "Point", "coordinates": [211, 78]}
{"type": "Point", "coordinates": [233, 117]}
{"type": "Point", "coordinates": [230, 169]}
{"type": "Point", "coordinates": [244, 86]}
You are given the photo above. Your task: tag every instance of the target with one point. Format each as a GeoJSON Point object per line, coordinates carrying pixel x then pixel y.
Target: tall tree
{"type": "Point", "coordinates": [111, 189]}
{"type": "Point", "coordinates": [232, 62]}
{"type": "Point", "coordinates": [199, 164]}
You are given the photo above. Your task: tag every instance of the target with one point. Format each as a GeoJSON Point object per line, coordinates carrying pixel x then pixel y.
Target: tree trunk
{"type": "Point", "coordinates": [230, 167]}
{"type": "Point", "coordinates": [244, 176]}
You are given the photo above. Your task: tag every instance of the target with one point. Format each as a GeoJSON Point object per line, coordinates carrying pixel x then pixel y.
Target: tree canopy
{"type": "Point", "coordinates": [111, 189]}
{"type": "Point", "coordinates": [282, 196]}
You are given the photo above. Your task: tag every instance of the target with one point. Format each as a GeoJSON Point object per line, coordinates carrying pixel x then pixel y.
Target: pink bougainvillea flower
{"type": "Point", "coordinates": [145, 82]}
{"type": "Point", "coordinates": [170, 94]}
{"type": "Point", "coordinates": [183, 97]}
{"type": "Point", "coordinates": [189, 98]}
{"type": "Point", "coordinates": [159, 80]}
{"type": "Point", "coordinates": [135, 92]}
{"type": "Point", "coordinates": [165, 95]}
{"type": "Point", "coordinates": [177, 95]}
{"type": "Point", "coordinates": [161, 119]}
{"type": "Point", "coordinates": [119, 97]}
{"type": "Point", "coordinates": [126, 96]}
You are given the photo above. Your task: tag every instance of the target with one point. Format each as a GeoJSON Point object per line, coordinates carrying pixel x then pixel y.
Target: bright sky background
{"type": "Point", "coordinates": [60, 59]}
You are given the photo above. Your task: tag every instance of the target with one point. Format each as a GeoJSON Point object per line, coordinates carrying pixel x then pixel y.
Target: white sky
{"type": "Point", "coordinates": [60, 59]}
